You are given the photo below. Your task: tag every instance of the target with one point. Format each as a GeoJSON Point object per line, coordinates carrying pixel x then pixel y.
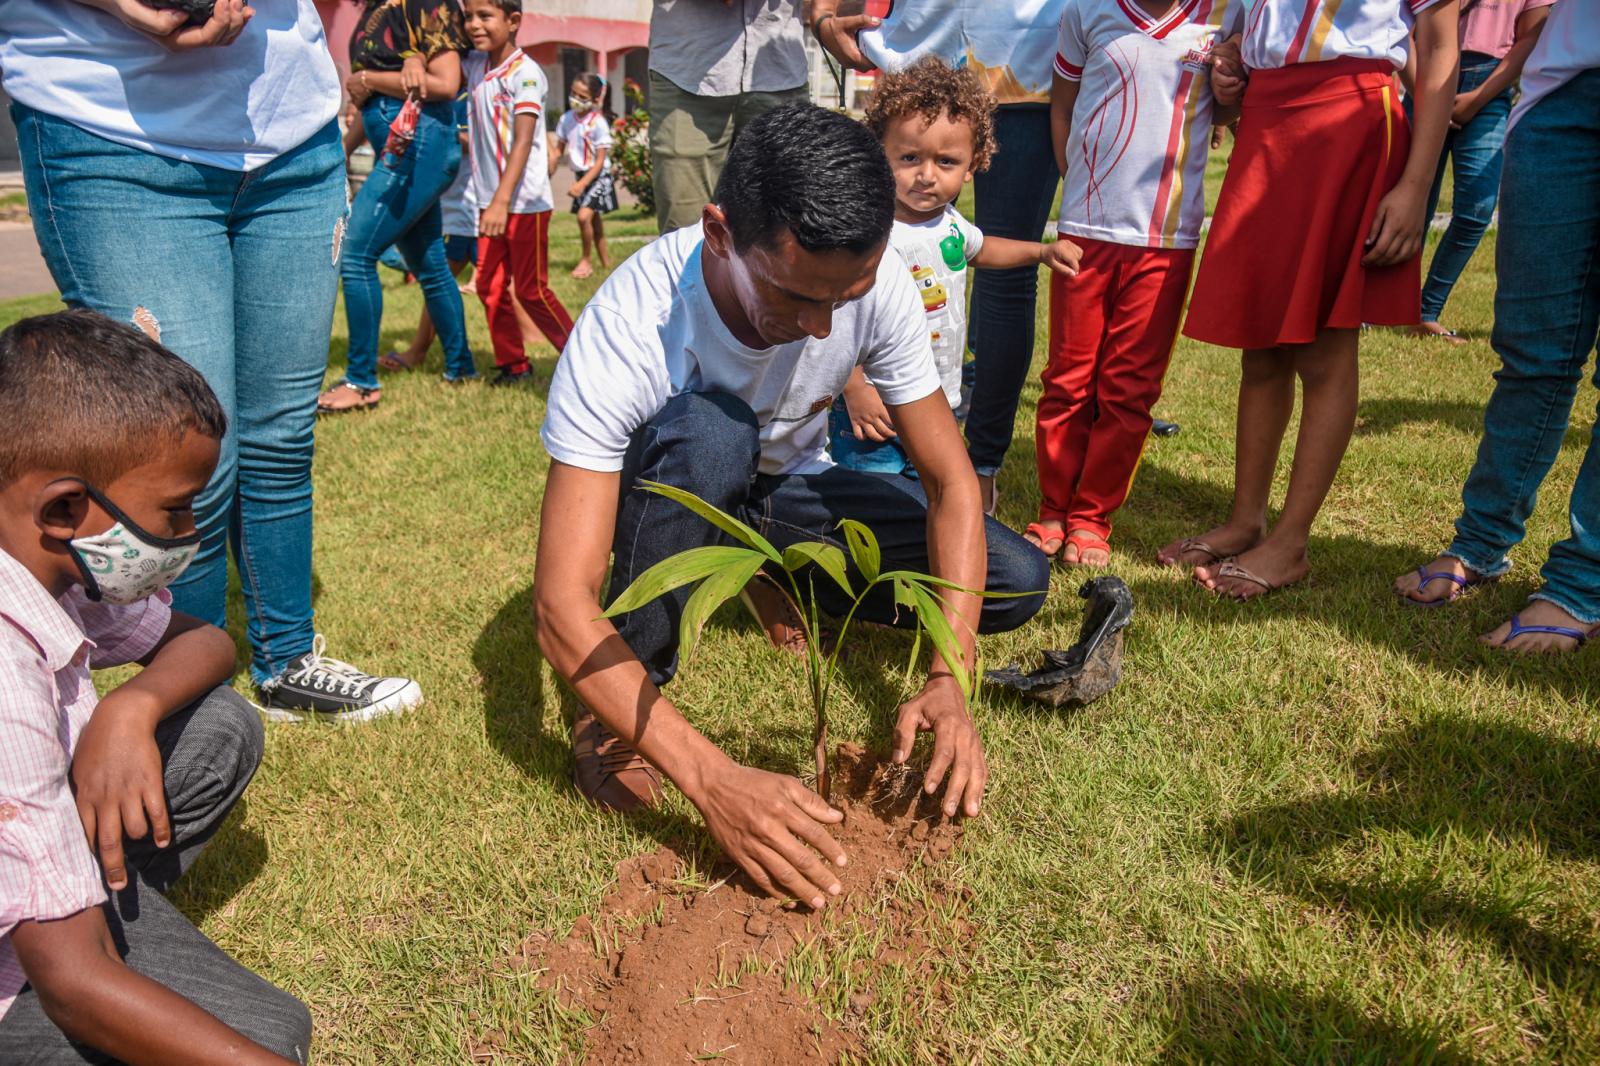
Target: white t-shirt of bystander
{"type": "Point", "coordinates": [652, 332]}
{"type": "Point", "coordinates": [1568, 46]}
{"type": "Point", "coordinates": [515, 87]}
{"type": "Point", "coordinates": [936, 254]}
{"type": "Point", "coordinates": [236, 107]}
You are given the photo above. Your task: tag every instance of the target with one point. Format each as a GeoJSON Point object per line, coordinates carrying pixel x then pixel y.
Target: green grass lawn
{"type": "Point", "coordinates": [1322, 827]}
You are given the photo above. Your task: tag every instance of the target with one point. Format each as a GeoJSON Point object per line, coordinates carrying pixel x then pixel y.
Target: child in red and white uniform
{"type": "Point", "coordinates": [584, 132]}
{"type": "Point", "coordinates": [1131, 118]}
{"type": "Point", "coordinates": [510, 185]}
{"type": "Point", "coordinates": [1318, 230]}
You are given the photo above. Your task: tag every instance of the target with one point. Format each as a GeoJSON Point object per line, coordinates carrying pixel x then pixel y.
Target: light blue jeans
{"type": "Point", "coordinates": [399, 205]}
{"type": "Point", "coordinates": [237, 272]}
{"type": "Point", "coordinates": [1476, 153]}
{"type": "Point", "coordinates": [1546, 319]}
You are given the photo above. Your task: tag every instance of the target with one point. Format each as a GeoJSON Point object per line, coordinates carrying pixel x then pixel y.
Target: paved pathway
{"type": "Point", "coordinates": [22, 271]}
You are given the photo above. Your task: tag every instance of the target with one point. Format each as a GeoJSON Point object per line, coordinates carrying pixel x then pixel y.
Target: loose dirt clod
{"type": "Point", "coordinates": [705, 977]}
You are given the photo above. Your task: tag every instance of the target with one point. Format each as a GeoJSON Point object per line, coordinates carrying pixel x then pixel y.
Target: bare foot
{"type": "Point", "coordinates": [1540, 613]}
{"type": "Point", "coordinates": [1087, 548]}
{"type": "Point", "coordinates": [583, 269]}
{"type": "Point", "coordinates": [1434, 331]}
{"type": "Point", "coordinates": [1210, 547]}
{"type": "Point", "coordinates": [1436, 587]}
{"type": "Point", "coordinates": [1275, 564]}
{"type": "Point", "coordinates": [988, 494]}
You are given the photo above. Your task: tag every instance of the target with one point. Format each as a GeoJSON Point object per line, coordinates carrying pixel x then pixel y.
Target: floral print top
{"type": "Point", "coordinates": [391, 31]}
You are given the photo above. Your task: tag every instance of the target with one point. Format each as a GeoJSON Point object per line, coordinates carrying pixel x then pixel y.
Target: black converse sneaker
{"type": "Point", "coordinates": [315, 686]}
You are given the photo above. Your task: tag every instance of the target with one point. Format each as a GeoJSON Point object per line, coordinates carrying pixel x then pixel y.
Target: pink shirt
{"type": "Point", "coordinates": [1490, 26]}
{"type": "Point", "coordinates": [47, 648]}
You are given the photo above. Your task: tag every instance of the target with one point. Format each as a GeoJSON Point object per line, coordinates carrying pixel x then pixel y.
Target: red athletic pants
{"type": "Point", "coordinates": [1112, 328]}
{"type": "Point", "coordinates": [519, 261]}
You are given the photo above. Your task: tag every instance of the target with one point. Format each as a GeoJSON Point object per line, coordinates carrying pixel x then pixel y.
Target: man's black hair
{"type": "Point", "coordinates": [819, 174]}
{"type": "Point", "coordinates": [83, 394]}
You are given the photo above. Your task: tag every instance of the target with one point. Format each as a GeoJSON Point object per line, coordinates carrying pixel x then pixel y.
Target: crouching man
{"type": "Point", "coordinates": [709, 361]}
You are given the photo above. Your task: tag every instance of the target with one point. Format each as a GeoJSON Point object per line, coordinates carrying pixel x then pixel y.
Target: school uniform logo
{"type": "Point", "coordinates": [1198, 58]}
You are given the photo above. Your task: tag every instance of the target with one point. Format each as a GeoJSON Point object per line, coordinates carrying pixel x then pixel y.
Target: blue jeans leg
{"type": "Point", "coordinates": [237, 274]}
{"type": "Point", "coordinates": [1013, 200]}
{"type": "Point", "coordinates": [795, 507]}
{"type": "Point", "coordinates": [706, 443]}
{"type": "Point", "coordinates": [1547, 315]}
{"type": "Point", "coordinates": [399, 204]}
{"type": "Point", "coordinates": [1476, 154]}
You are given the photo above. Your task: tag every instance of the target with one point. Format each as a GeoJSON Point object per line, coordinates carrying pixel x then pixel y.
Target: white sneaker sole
{"type": "Point", "coordinates": [399, 702]}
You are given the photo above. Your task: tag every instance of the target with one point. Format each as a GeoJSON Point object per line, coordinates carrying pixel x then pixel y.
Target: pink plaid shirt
{"type": "Point", "coordinates": [47, 648]}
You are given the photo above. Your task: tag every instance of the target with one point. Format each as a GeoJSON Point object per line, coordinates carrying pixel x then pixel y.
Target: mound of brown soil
{"type": "Point", "coordinates": [676, 970]}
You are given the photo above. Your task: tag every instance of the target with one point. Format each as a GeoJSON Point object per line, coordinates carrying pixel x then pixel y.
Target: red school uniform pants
{"type": "Point", "coordinates": [516, 266]}
{"type": "Point", "coordinates": [1112, 328]}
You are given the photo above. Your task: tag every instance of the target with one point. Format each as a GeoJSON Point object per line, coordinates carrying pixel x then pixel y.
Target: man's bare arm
{"type": "Point", "coordinates": [767, 823]}
{"type": "Point", "coordinates": [957, 552]}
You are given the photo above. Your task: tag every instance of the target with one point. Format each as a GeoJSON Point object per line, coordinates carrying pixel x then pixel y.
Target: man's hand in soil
{"type": "Point", "coordinates": [765, 822]}
{"type": "Point", "coordinates": [941, 709]}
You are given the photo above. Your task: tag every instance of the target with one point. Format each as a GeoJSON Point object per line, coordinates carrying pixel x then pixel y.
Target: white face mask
{"type": "Point", "coordinates": [125, 564]}
{"type": "Point", "coordinates": [580, 106]}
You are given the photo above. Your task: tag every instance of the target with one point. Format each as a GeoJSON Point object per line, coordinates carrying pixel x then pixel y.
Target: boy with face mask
{"type": "Point", "coordinates": [109, 438]}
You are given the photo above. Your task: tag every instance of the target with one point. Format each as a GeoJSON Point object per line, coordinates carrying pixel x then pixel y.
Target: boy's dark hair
{"type": "Point", "coordinates": [930, 89]}
{"type": "Point", "coordinates": [82, 393]}
{"type": "Point", "coordinates": [817, 173]}
{"type": "Point", "coordinates": [507, 7]}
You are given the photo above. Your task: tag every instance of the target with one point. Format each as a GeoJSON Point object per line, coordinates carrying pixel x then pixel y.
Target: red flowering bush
{"type": "Point", "coordinates": [630, 153]}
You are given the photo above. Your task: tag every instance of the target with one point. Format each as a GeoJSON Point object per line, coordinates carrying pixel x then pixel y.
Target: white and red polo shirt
{"type": "Point", "coordinates": [1281, 33]}
{"type": "Point", "coordinates": [1141, 127]}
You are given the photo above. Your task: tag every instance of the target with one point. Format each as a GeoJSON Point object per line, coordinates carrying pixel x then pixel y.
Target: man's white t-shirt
{"type": "Point", "coordinates": [584, 136]}
{"type": "Point", "coordinates": [1568, 46]}
{"type": "Point", "coordinates": [515, 87]}
{"type": "Point", "coordinates": [1141, 128]}
{"type": "Point", "coordinates": [936, 254]}
{"type": "Point", "coordinates": [652, 332]}
{"type": "Point", "coordinates": [237, 107]}
{"type": "Point", "coordinates": [1281, 33]}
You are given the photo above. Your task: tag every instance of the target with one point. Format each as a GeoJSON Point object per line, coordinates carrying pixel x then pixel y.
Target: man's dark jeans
{"type": "Point", "coordinates": [707, 444]}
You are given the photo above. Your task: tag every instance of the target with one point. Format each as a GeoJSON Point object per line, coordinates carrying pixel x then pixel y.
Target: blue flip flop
{"type": "Point", "coordinates": [1462, 584]}
{"type": "Point", "coordinates": [1518, 629]}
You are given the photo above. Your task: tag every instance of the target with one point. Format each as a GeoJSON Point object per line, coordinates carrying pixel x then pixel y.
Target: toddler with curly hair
{"type": "Point", "coordinates": [937, 128]}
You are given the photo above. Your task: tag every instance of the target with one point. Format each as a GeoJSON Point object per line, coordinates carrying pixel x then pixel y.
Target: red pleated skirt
{"type": "Point", "coordinates": [1319, 145]}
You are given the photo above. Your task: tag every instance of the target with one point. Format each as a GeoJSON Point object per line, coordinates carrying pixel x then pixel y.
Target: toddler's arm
{"type": "Point", "coordinates": [95, 999]}
{"type": "Point", "coordinates": [1000, 253]}
{"type": "Point", "coordinates": [869, 418]}
{"type": "Point", "coordinates": [116, 766]}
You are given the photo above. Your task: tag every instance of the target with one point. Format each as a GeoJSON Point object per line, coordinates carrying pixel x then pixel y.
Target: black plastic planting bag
{"type": "Point", "coordinates": [199, 11]}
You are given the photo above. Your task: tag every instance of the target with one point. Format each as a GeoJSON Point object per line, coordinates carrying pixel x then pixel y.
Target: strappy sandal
{"type": "Point", "coordinates": [1518, 629]}
{"type": "Point", "coordinates": [366, 399]}
{"type": "Point", "coordinates": [1047, 535]}
{"type": "Point", "coordinates": [1462, 584]}
{"type": "Point", "coordinates": [1087, 539]}
{"type": "Point", "coordinates": [1234, 570]}
{"type": "Point", "coordinates": [393, 360]}
{"type": "Point", "coordinates": [1193, 544]}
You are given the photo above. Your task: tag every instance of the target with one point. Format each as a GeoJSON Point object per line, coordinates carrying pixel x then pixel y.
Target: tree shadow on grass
{"type": "Point", "coordinates": [1247, 1021]}
{"type": "Point", "coordinates": [1349, 588]}
{"type": "Point", "coordinates": [1443, 778]}
{"type": "Point", "coordinates": [233, 859]}
{"type": "Point", "coordinates": [1385, 415]}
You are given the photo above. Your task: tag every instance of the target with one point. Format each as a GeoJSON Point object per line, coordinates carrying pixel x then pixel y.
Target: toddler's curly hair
{"type": "Point", "coordinates": [930, 88]}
